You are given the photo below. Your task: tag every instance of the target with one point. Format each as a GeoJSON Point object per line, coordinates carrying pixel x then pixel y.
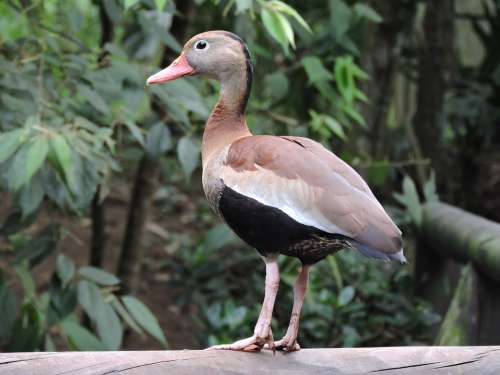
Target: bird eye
{"type": "Point", "coordinates": [201, 45]}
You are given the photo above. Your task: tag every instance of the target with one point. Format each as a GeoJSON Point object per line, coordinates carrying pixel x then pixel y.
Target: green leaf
{"type": "Point", "coordinates": [361, 96]}
{"type": "Point", "coordinates": [277, 85]}
{"type": "Point", "coordinates": [357, 72]}
{"type": "Point", "coordinates": [285, 8]}
{"type": "Point", "coordinates": [243, 5]}
{"type": "Point", "coordinates": [366, 11]}
{"type": "Point", "coordinates": [82, 338]}
{"type": "Point", "coordinates": [27, 332]}
{"type": "Point", "coordinates": [316, 71]}
{"type": "Point", "coordinates": [8, 311]}
{"type": "Point", "coordinates": [335, 127]}
{"type": "Point", "coordinates": [350, 336]}
{"type": "Point", "coordinates": [217, 237]}
{"type": "Point", "coordinates": [410, 200]}
{"type": "Point", "coordinates": [94, 99]}
{"type": "Point", "coordinates": [188, 153]}
{"type": "Point", "coordinates": [135, 131]}
{"type": "Point", "coordinates": [144, 317]}
{"type": "Point", "coordinates": [16, 172]}
{"type": "Point", "coordinates": [120, 309]}
{"type": "Point", "coordinates": [377, 173]}
{"type": "Point", "coordinates": [287, 28]}
{"type": "Point", "coordinates": [430, 191]}
{"type": "Point", "coordinates": [273, 22]}
{"type": "Point", "coordinates": [109, 327]}
{"type": "Point", "coordinates": [158, 140]}
{"type": "Point", "coordinates": [9, 142]}
{"type": "Point", "coordinates": [65, 269]}
{"type": "Point", "coordinates": [31, 196]}
{"type": "Point", "coordinates": [26, 279]}
{"type": "Point", "coordinates": [349, 109]}
{"type": "Point", "coordinates": [335, 269]}
{"type": "Point", "coordinates": [160, 4]}
{"type": "Point", "coordinates": [15, 222]}
{"type": "Point", "coordinates": [113, 10]}
{"type": "Point", "coordinates": [346, 295]}
{"type": "Point", "coordinates": [340, 18]}
{"type": "Point", "coordinates": [89, 296]}
{"type": "Point", "coordinates": [180, 94]}
{"type": "Point", "coordinates": [129, 3]}
{"type": "Point", "coordinates": [64, 158]}
{"type": "Point", "coordinates": [37, 153]}
{"type": "Point", "coordinates": [49, 345]}
{"type": "Point", "coordinates": [43, 244]}
{"type": "Point", "coordinates": [344, 78]}
{"type": "Point", "coordinates": [62, 302]}
{"type": "Point", "coordinates": [98, 275]}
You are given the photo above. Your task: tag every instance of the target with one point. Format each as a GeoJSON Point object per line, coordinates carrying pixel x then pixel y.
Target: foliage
{"type": "Point", "coordinates": [50, 319]}
{"type": "Point", "coordinates": [410, 200]}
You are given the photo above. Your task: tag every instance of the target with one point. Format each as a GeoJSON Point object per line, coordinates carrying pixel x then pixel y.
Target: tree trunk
{"type": "Point", "coordinates": [98, 211]}
{"type": "Point", "coordinates": [129, 268]}
{"type": "Point", "coordinates": [436, 55]}
{"type": "Point", "coordinates": [146, 179]}
{"type": "Point", "coordinates": [98, 239]}
{"type": "Point", "coordinates": [383, 43]}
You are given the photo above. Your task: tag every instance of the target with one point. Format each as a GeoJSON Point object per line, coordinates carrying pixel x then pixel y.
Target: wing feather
{"type": "Point", "coordinates": [311, 185]}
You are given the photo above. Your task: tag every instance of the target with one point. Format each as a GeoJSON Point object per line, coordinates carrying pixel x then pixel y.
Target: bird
{"type": "Point", "coordinates": [284, 195]}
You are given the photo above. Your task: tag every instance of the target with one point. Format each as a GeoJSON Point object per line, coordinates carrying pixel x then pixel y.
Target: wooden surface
{"type": "Point", "coordinates": [483, 360]}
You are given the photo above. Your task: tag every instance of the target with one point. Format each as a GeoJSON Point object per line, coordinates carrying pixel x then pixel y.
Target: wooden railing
{"type": "Point", "coordinates": [471, 300]}
{"type": "Point", "coordinates": [396, 360]}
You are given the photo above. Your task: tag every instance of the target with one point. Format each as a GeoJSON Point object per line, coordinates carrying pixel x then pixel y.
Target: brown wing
{"type": "Point", "coordinates": [311, 185]}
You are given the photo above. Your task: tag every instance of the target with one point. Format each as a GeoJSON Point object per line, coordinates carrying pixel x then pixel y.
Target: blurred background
{"type": "Point", "coordinates": [107, 241]}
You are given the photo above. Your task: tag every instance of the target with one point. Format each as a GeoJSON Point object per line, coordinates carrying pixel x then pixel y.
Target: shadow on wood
{"type": "Point", "coordinates": [395, 360]}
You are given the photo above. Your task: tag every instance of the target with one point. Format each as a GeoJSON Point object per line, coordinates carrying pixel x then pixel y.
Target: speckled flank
{"type": "Point", "coordinates": [271, 231]}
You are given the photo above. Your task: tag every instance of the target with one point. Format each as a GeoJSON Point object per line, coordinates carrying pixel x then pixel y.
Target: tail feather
{"type": "Point", "coordinates": [377, 254]}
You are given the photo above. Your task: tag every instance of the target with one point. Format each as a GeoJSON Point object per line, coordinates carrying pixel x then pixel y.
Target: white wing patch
{"type": "Point", "coordinates": [292, 196]}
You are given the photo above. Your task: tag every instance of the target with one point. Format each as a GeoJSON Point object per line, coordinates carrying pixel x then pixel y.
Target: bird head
{"type": "Point", "coordinates": [215, 54]}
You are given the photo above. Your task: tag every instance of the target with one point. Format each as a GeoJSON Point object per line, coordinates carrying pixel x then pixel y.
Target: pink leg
{"type": "Point", "coordinates": [289, 342]}
{"type": "Point", "coordinates": [262, 332]}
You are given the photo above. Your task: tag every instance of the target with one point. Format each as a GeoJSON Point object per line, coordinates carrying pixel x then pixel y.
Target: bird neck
{"type": "Point", "coordinates": [222, 128]}
{"type": "Point", "coordinates": [227, 121]}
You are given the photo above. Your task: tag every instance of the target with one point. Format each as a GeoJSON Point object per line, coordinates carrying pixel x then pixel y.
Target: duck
{"type": "Point", "coordinates": [285, 195]}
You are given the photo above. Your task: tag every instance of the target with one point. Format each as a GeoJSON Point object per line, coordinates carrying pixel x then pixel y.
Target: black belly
{"type": "Point", "coordinates": [271, 231]}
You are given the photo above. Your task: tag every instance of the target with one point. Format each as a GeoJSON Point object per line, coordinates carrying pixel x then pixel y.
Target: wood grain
{"type": "Point", "coordinates": [393, 360]}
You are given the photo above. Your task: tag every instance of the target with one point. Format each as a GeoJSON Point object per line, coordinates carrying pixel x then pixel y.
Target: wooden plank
{"type": "Point", "coordinates": [395, 360]}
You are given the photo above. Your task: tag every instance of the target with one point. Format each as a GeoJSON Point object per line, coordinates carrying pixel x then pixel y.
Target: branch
{"type": "Point", "coordinates": [392, 360]}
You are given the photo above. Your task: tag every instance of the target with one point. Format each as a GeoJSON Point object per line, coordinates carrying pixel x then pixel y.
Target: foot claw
{"type": "Point", "coordinates": [284, 345]}
{"type": "Point", "coordinates": [250, 344]}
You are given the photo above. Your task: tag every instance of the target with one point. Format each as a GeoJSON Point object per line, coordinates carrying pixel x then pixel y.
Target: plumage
{"type": "Point", "coordinates": [281, 194]}
{"type": "Point", "coordinates": [289, 176]}
{"type": "Point", "coordinates": [271, 231]}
